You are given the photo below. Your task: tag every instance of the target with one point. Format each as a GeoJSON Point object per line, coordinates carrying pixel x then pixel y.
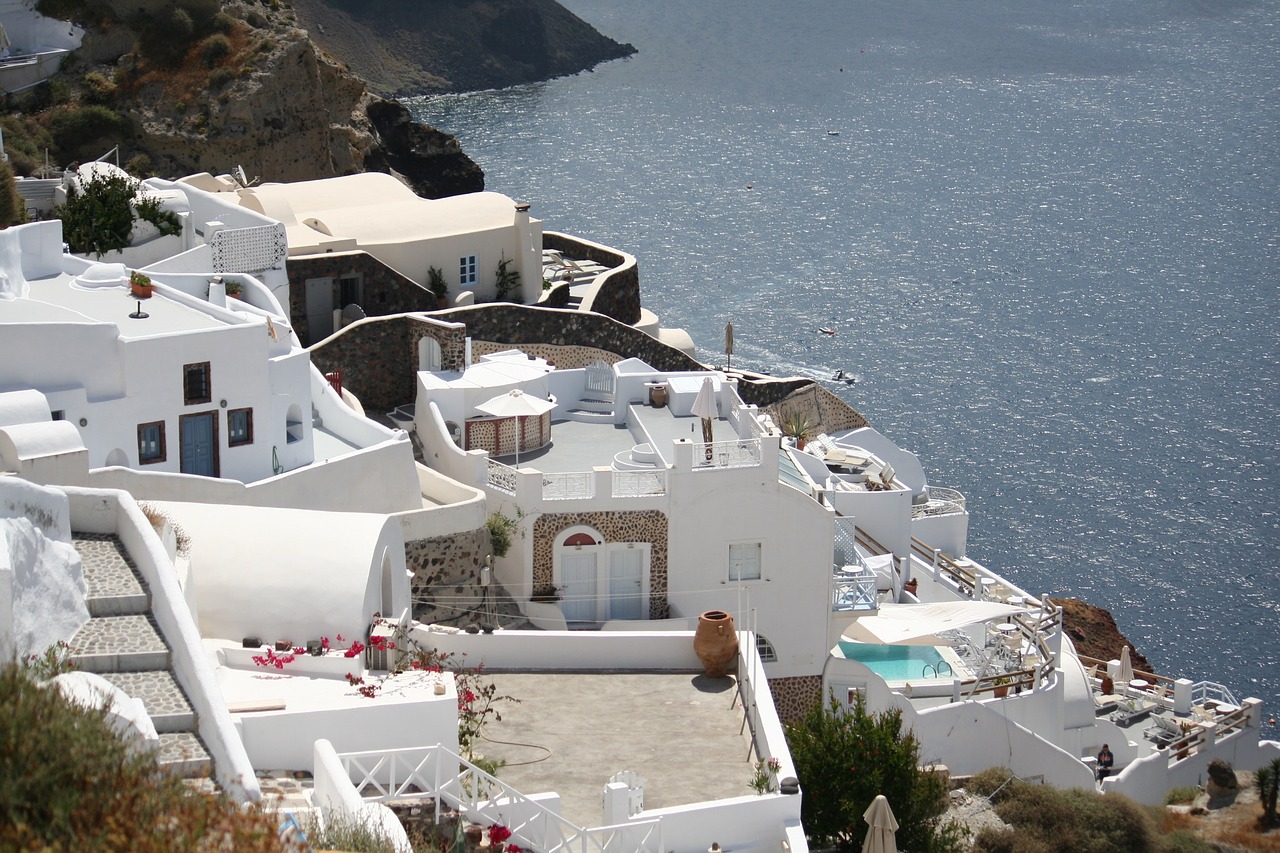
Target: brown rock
{"type": "Point", "coordinates": [1094, 633]}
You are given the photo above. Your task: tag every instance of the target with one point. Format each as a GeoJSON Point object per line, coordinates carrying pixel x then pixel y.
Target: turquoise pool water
{"type": "Point", "coordinates": [896, 663]}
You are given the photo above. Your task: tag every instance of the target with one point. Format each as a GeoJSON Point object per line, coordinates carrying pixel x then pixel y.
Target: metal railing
{"type": "Point", "coordinates": [569, 485]}
{"type": "Point", "coordinates": [638, 484]}
{"type": "Point", "coordinates": [942, 501]}
{"type": "Point", "coordinates": [741, 453]}
{"type": "Point", "coordinates": [448, 778]}
{"type": "Point", "coordinates": [500, 477]}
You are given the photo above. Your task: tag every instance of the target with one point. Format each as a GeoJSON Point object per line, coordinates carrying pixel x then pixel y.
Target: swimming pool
{"type": "Point", "coordinates": [897, 663]}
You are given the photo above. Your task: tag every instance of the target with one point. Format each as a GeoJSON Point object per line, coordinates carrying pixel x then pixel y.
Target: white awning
{"type": "Point", "coordinates": [919, 624]}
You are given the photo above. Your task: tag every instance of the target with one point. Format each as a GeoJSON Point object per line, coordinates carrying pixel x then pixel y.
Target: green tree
{"type": "Point", "coordinates": [845, 757]}
{"type": "Point", "coordinates": [1268, 782]}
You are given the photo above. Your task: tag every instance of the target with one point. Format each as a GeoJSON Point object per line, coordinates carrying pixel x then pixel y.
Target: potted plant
{"type": "Point", "coordinates": [435, 283]}
{"type": "Point", "coordinates": [233, 288]}
{"type": "Point", "coordinates": [140, 285]}
{"type": "Point", "coordinates": [798, 426]}
{"type": "Point", "coordinates": [1002, 686]}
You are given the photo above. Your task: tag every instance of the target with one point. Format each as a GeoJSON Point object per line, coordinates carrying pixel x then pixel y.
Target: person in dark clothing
{"type": "Point", "coordinates": [1105, 760]}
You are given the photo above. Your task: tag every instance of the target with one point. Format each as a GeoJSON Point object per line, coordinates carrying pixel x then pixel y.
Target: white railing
{"type": "Point", "coordinates": [742, 453]}
{"type": "Point", "coordinates": [571, 485]}
{"type": "Point", "coordinates": [854, 591]}
{"type": "Point", "coordinates": [1219, 693]}
{"type": "Point", "coordinates": [599, 380]}
{"type": "Point", "coordinates": [638, 484]}
{"type": "Point", "coordinates": [942, 501]}
{"type": "Point", "coordinates": [437, 773]}
{"type": "Point", "coordinates": [500, 477]}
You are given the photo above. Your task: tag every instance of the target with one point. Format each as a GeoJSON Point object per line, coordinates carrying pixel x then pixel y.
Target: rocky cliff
{"type": "Point", "coordinates": [1094, 632]}
{"type": "Point", "coordinates": [425, 46]}
{"type": "Point", "coordinates": [265, 97]}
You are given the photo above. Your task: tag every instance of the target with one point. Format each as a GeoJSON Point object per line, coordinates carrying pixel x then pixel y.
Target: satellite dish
{"type": "Point", "coordinates": [241, 179]}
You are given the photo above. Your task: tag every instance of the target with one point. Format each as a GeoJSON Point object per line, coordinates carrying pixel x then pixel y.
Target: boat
{"type": "Point", "coordinates": [827, 331]}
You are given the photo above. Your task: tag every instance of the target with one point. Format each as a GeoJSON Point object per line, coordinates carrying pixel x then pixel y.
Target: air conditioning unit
{"type": "Point", "coordinates": [381, 633]}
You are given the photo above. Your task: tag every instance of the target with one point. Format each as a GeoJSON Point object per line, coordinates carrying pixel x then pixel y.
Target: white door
{"type": "Point", "coordinates": [626, 572]}
{"type": "Point", "coordinates": [578, 576]}
{"type": "Point", "coordinates": [319, 309]}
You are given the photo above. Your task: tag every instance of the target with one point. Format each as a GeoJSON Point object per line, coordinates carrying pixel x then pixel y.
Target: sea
{"type": "Point", "coordinates": [1046, 234]}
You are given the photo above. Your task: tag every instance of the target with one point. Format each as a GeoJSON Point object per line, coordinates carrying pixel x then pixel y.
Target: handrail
{"type": "Point", "coordinates": [738, 453]}
{"type": "Point", "coordinates": [942, 501]}
{"type": "Point", "coordinates": [966, 579]}
{"type": "Point", "coordinates": [424, 772]}
{"type": "Point", "coordinates": [866, 540]}
{"type": "Point", "coordinates": [568, 485]}
{"type": "Point", "coordinates": [499, 476]}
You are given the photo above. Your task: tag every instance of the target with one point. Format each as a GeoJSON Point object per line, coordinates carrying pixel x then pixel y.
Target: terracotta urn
{"type": "Point", "coordinates": [715, 642]}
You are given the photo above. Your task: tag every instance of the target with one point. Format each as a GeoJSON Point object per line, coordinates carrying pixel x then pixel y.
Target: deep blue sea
{"type": "Point", "coordinates": [1047, 234]}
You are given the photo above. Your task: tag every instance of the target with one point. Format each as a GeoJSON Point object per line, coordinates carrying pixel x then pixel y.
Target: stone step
{"type": "Point", "coordinates": [184, 754]}
{"type": "Point", "coordinates": [119, 644]}
{"type": "Point", "coordinates": [161, 695]}
{"type": "Point", "coordinates": [112, 583]}
{"type": "Point", "coordinates": [592, 404]}
{"type": "Point", "coordinates": [586, 417]}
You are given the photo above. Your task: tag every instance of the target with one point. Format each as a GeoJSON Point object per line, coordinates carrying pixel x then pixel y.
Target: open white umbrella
{"type": "Point", "coordinates": [704, 406]}
{"type": "Point", "coordinates": [880, 837]}
{"type": "Point", "coordinates": [516, 404]}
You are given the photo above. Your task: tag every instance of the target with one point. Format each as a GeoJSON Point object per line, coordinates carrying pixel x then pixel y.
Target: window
{"type": "Point", "coordinates": [349, 290]}
{"type": "Point", "coordinates": [195, 383]}
{"type": "Point", "coordinates": [58, 415]}
{"type": "Point", "coordinates": [467, 270]}
{"type": "Point", "coordinates": [239, 426]}
{"type": "Point", "coordinates": [744, 561]}
{"type": "Point", "coordinates": [768, 654]}
{"type": "Point", "coordinates": [151, 443]}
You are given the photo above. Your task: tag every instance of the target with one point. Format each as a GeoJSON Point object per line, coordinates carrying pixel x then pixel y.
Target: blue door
{"type": "Point", "coordinates": [199, 438]}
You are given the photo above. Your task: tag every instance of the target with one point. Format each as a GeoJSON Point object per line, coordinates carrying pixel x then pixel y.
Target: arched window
{"type": "Point", "coordinates": [580, 539]}
{"type": "Point", "coordinates": [765, 649]}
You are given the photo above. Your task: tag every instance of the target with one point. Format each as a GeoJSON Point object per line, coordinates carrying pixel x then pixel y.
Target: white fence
{"type": "Point", "coordinates": [742, 453]}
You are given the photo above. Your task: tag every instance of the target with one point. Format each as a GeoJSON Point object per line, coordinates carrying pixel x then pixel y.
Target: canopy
{"type": "Point", "coordinates": [515, 403]}
{"type": "Point", "coordinates": [918, 624]}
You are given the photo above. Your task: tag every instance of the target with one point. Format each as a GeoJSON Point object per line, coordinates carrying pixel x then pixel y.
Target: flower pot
{"type": "Point", "coordinates": [140, 291]}
{"type": "Point", "coordinates": [911, 586]}
{"type": "Point", "coordinates": [715, 643]}
{"type": "Point", "coordinates": [1002, 691]}
{"type": "Point", "coordinates": [1108, 686]}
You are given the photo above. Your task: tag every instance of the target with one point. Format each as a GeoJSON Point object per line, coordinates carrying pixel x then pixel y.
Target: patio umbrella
{"type": "Point", "coordinates": [728, 344]}
{"type": "Point", "coordinates": [516, 404]}
{"type": "Point", "coordinates": [880, 837]}
{"type": "Point", "coordinates": [1125, 672]}
{"type": "Point", "coordinates": [704, 406]}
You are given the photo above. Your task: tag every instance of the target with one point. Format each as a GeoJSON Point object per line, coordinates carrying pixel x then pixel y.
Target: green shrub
{"type": "Point", "coordinates": [1075, 821]}
{"type": "Point", "coordinates": [1182, 795]}
{"type": "Point", "coordinates": [1186, 841]}
{"type": "Point", "coordinates": [994, 783]}
{"type": "Point", "coordinates": [215, 48]}
{"type": "Point", "coordinates": [506, 280]}
{"type": "Point", "coordinates": [13, 210]}
{"type": "Point", "coordinates": [68, 782]}
{"type": "Point", "coordinates": [81, 133]}
{"type": "Point", "coordinates": [223, 23]}
{"type": "Point", "coordinates": [220, 77]}
{"type": "Point", "coordinates": [348, 834]}
{"type": "Point", "coordinates": [844, 758]}
{"type": "Point", "coordinates": [148, 210]}
{"type": "Point", "coordinates": [164, 37]}
{"type": "Point", "coordinates": [141, 166]}
{"type": "Point", "coordinates": [98, 89]}
{"type": "Point", "coordinates": [502, 529]}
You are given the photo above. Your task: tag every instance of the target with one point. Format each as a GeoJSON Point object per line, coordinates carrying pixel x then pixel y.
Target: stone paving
{"type": "Point", "coordinates": [112, 581]}
{"type": "Point", "coordinates": [163, 698]}
{"type": "Point", "coordinates": [129, 643]}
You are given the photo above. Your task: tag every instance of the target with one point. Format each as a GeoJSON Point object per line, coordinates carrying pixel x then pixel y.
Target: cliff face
{"type": "Point", "coordinates": [284, 111]}
{"type": "Point", "coordinates": [1094, 632]}
{"type": "Point", "coordinates": [427, 46]}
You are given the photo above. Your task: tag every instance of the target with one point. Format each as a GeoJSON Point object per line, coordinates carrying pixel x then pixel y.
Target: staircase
{"type": "Point", "coordinates": [122, 643]}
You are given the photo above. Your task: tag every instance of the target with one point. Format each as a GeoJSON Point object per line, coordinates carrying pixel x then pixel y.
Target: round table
{"type": "Point", "coordinates": [1139, 684]}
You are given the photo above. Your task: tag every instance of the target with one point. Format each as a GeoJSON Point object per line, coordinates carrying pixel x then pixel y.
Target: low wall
{"type": "Point", "coordinates": [337, 797]}
{"type": "Point", "coordinates": [116, 512]}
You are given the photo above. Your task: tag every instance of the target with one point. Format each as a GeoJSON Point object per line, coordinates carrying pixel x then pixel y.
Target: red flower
{"type": "Point", "coordinates": [498, 834]}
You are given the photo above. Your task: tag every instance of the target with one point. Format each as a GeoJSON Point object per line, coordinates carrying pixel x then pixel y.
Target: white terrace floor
{"type": "Point", "coordinates": [577, 446]}
{"type": "Point", "coordinates": [570, 732]}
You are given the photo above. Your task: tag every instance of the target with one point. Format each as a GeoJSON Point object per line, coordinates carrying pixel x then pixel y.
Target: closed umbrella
{"type": "Point", "coordinates": [880, 837]}
{"type": "Point", "coordinates": [704, 406]}
{"type": "Point", "coordinates": [516, 404]}
{"type": "Point", "coordinates": [728, 344]}
{"type": "Point", "coordinates": [1125, 673]}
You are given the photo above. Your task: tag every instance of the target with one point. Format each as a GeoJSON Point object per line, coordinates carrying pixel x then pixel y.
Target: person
{"type": "Point", "coordinates": [1105, 760]}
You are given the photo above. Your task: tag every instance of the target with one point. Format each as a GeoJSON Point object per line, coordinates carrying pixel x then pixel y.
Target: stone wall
{"type": "Point", "coordinates": [564, 357]}
{"type": "Point", "coordinates": [445, 586]}
{"type": "Point", "coordinates": [645, 526]}
{"type": "Point", "coordinates": [385, 291]}
{"type": "Point", "coordinates": [378, 362]}
{"type": "Point", "coordinates": [825, 410]}
{"type": "Point", "coordinates": [794, 697]}
{"type": "Point", "coordinates": [619, 293]}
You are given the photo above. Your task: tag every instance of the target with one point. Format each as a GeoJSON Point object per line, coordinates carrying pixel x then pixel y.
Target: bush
{"type": "Point", "coordinates": [1186, 841]}
{"type": "Point", "coordinates": [98, 217]}
{"type": "Point", "coordinates": [1182, 795]}
{"type": "Point", "coordinates": [84, 132]}
{"type": "Point", "coordinates": [1075, 821]}
{"type": "Point", "coordinates": [994, 783]}
{"type": "Point", "coordinates": [220, 77]}
{"type": "Point", "coordinates": [98, 89]}
{"type": "Point", "coordinates": [223, 23]}
{"type": "Point", "coordinates": [501, 530]}
{"type": "Point", "coordinates": [68, 782]}
{"type": "Point", "coordinates": [215, 48]}
{"type": "Point", "coordinates": [13, 210]}
{"type": "Point", "coordinates": [164, 37]}
{"type": "Point", "coordinates": [844, 758]}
